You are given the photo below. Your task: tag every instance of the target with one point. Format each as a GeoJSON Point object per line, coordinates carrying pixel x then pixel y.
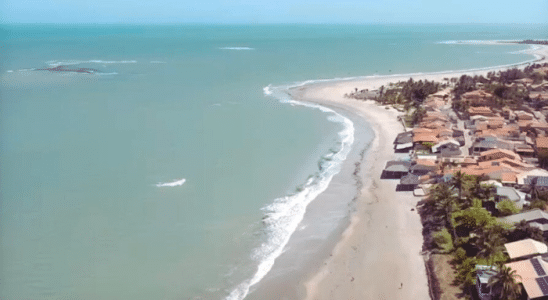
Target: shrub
{"type": "Point", "coordinates": [507, 207]}
{"type": "Point", "coordinates": [459, 255]}
{"type": "Point", "coordinates": [443, 241]}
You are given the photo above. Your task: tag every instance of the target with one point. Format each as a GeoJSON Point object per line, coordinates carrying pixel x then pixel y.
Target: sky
{"type": "Point", "coordinates": [274, 11]}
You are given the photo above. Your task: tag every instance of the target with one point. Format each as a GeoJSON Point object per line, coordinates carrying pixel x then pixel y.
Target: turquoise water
{"type": "Point", "coordinates": [82, 155]}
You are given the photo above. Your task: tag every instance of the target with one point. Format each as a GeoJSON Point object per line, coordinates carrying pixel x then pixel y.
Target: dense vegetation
{"type": "Point", "coordinates": [499, 84]}
{"type": "Point", "coordinates": [408, 94]}
{"type": "Point", "coordinates": [460, 218]}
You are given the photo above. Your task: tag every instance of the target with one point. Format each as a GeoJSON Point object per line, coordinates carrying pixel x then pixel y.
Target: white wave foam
{"type": "Point", "coordinates": [101, 74]}
{"type": "Point", "coordinates": [285, 214]}
{"type": "Point", "coordinates": [526, 51]}
{"type": "Point", "coordinates": [236, 48]}
{"type": "Point", "coordinates": [465, 42]}
{"type": "Point", "coordinates": [470, 42]}
{"type": "Point", "coordinates": [10, 71]}
{"type": "Point", "coordinates": [531, 48]}
{"type": "Point", "coordinates": [174, 183]}
{"type": "Point", "coordinates": [267, 90]}
{"type": "Point", "coordinates": [157, 62]}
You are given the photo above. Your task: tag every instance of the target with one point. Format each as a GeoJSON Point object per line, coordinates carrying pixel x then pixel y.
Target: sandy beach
{"type": "Point", "coordinates": [378, 256]}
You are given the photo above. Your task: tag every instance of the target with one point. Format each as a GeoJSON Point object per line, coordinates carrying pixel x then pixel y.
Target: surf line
{"type": "Point", "coordinates": [173, 183]}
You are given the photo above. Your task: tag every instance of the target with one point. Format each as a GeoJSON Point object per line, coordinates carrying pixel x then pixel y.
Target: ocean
{"type": "Point", "coordinates": [179, 168]}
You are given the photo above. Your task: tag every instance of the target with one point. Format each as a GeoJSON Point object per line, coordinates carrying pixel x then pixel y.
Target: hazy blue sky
{"type": "Point", "coordinates": [276, 11]}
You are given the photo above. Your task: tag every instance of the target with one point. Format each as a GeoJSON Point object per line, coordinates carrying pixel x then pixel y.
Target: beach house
{"type": "Point", "coordinates": [528, 262]}
{"type": "Point", "coordinates": [480, 111]}
{"type": "Point", "coordinates": [498, 154]}
{"type": "Point", "coordinates": [505, 192]}
{"type": "Point", "coordinates": [539, 96]}
{"type": "Point", "coordinates": [395, 169]}
{"type": "Point", "coordinates": [532, 274]}
{"type": "Point", "coordinates": [536, 218]}
{"type": "Point", "coordinates": [483, 274]}
{"type": "Point", "coordinates": [525, 249]}
{"type": "Point", "coordinates": [489, 143]}
{"type": "Point", "coordinates": [477, 98]}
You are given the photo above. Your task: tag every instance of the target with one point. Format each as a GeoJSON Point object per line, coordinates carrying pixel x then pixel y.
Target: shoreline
{"type": "Point", "coordinates": [382, 218]}
{"type": "Point", "coordinates": [326, 218]}
{"type": "Point", "coordinates": [394, 268]}
{"type": "Point", "coordinates": [318, 256]}
{"type": "Point", "coordinates": [540, 52]}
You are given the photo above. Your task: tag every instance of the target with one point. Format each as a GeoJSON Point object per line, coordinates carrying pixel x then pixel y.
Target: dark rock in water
{"type": "Point", "coordinates": [65, 69]}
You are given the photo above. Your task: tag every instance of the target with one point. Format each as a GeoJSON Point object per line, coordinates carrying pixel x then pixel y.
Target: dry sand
{"type": "Point", "coordinates": [379, 254]}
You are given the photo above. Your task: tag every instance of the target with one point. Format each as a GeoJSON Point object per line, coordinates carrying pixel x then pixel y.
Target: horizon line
{"type": "Point", "coordinates": [270, 23]}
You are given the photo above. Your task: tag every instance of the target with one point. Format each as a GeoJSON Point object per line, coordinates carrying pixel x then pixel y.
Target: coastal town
{"type": "Point", "coordinates": [475, 150]}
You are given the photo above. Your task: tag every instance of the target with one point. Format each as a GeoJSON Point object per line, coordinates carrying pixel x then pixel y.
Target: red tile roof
{"type": "Point", "coordinates": [481, 110]}
{"type": "Point", "coordinates": [425, 137]}
{"type": "Point", "coordinates": [542, 142]}
{"type": "Point", "coordinates": [498, 153]}
{"type": "Point", "coordinates": [509, 177]}
{"type": "Point", "coordinates": [426, 162]}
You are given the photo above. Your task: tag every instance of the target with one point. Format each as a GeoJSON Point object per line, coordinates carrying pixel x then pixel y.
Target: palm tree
{"type": "Point", "coordinates": [523, 230]}
{"type": "Point", "coordinates": [490, 245]}
{"type": "Point", "coordinates": [534, 189]}
{"type": "Point", "coordinates": [381, 90]}
{"type": "Point", "coordinates": [504, 285]}
{"type": "Point", "coordinates": [479, 191]}
{"type": "Point", "coordinates": [457, 181]}
{"type": "Point", "coordinates": [418, 114]}
{"type": "Point", "coordinates": [442, 203]}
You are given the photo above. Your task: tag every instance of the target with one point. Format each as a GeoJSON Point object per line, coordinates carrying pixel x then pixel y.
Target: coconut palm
{"type": "Point", "coordinates": [490, 246]}
{"type": "Point", "coordinates": [534, 189]}
{"type": "Point", "coordinates": [480, 191]}
{"type": "Point", "coordinates": [458, 181]}
{"type": "Point", "coordinates": [503, 284]}
{"type": "Point", "coordinates": [524, 230]}
{"type": "Point", "coordinates": [441, 202]}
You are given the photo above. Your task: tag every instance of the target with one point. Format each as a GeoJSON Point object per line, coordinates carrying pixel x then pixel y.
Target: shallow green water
{"type": "Point", "coordinates": [81, 155]}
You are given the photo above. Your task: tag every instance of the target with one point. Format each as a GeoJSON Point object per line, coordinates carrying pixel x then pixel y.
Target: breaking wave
{"type": "Point", "coordinates": [236, 48]}
{"type": "Point", "coordinates": [283, 216]}
{"type": "Point", "coordinates": [466, 42]}
{"type": "Point", "coordinates": [178, 182]}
